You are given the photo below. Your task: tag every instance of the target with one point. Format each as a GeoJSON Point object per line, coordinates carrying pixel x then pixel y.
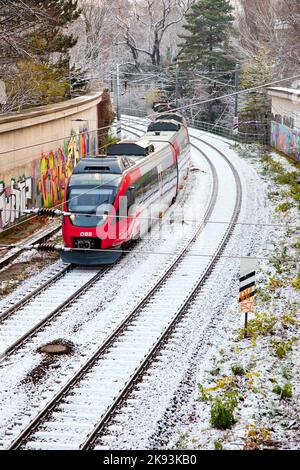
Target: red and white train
{"type": "Point", "coordinates": [112, 197]}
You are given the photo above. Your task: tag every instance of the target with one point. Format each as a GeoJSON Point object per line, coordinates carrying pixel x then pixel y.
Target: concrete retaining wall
{"type": "Point", "coordinates": [39, 148]}
{"type": "Point", "coordinates": [285, 126]}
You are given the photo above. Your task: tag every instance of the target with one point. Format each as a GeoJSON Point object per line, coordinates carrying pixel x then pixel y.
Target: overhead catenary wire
{"type": "Point", "coordinates": [139, 252]}
{"type": "Point", "coordinates": [170, 219]}
{"type": "Point", "coordinates": [55, 140]}
{"type": "Point", "coordinates": [176, 109]}
{"type": "Point", "coordinates": [228, 95]}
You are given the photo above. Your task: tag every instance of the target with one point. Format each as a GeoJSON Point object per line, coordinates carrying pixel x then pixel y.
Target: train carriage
{"type": "Point", "coordinates": [112, 199]}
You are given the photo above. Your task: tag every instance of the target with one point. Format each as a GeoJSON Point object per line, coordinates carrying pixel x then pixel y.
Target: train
{"type": "Point", "coordinates": [112, 199]}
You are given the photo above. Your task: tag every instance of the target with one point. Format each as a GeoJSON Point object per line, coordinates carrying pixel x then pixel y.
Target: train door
{"type": "Point", "coordinates": [176, 152]}
{"type": "Point", "coordinates": [160, 180]}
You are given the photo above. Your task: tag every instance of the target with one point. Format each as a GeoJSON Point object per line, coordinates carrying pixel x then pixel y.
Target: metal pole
{"type": "Point", "coordinates": [177, 85]}
{"type": "Point", "coordinates": [246, 324]}
{"type": "Point", "coordinates": [236, 107]}
{"type": "Point", "coordinates": [237, 89]}
{"type": "Point", "coordinates": [119, 130]}
{"type": "Point", "coordinates": [111, 83]}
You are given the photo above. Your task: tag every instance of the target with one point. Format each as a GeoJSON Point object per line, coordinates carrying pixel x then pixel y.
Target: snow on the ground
{"type": "Point", "coordinates": [264, 419]}
{"type": "Point", "coordinates": [171, 408]}
{"type": "Point", "coordinates": [89, 321]}
{"type": "Point", "coordinates": [168, 410]}
{"type": "Point", "coordinates": [165, 396]}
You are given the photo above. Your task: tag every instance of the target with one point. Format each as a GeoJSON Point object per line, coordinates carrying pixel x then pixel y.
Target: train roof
{"type": "Point", "coordinates": [103, 164]}
{"type": "Point", "coordinates": [140, 148]}
{"type": "Point", "coordinates": [170, 116]}
{"type": "Point", "coordinates": [168, 125]}
{"type": "Point", "coordinates": [160, 137]}
{"type": "Point", "coordinates": [162, 106]}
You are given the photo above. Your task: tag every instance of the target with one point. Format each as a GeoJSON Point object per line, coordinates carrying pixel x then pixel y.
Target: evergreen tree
{"type": "Point", "coordinates": [256, 109]}
{"type": "Point", "coordinates": [206, 45]}
{"type": "Point", "coordinates": [38, 67]}
{"type": "Point", "coordinates": [206, 48]}
{"type": "Point", "coordinates": [53, 38]}
{"type": "Point", "coordinates": [52, 44]}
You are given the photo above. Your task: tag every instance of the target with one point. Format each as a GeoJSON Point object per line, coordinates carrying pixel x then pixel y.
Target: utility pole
{"type": "Point", "coordinates": [177, 85]}
{"type": "Point", "coordinates": [119, 129]}
{"type": "Point", "coordinates": [111, 82]}
{"type": "Point", "coordinates": [236, 107]}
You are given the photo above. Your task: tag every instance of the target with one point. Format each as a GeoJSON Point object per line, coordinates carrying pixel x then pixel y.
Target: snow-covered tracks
{"type": "Point", "coordinates": [78, 413]}
{"type": "Point", "coordinates": [36, 309]}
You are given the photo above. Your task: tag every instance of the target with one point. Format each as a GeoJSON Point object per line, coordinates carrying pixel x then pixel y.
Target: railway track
{"type": "Point", "coordinates": [40, 237]}
{"type": "Point", "coordinates": [32, 313]}
{"type": "Point", "coordinates": [79, 412]}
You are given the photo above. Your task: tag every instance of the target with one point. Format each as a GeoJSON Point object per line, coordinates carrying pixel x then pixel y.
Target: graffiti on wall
{"type": "Point", "coordinates": [46, 185]}
{"type": "Point", "coordinates": [14, 199]}
{"type": "Point", "coordinates": [56, 167]}
{"type": "Point", "coordinates": [286, 140]}
{"type": "Point", "coordinates": [285, 120]}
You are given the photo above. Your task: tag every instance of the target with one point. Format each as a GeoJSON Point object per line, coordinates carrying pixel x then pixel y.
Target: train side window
{"type": "Point", "coordinates": [131, 196]}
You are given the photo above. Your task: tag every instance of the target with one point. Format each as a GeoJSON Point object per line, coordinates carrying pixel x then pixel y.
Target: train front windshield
{"type": "Point", "coordinates": [90, 196]}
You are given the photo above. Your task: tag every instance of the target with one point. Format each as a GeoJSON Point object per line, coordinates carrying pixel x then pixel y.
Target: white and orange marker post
{"type": "Point", "coordinates": [247, 288]}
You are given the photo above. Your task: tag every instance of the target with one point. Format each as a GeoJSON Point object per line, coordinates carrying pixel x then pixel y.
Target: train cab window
{"type": "Point", "coordinates": [91, 195]}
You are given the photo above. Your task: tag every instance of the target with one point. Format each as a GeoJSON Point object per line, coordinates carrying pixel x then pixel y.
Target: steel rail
{"type": "Point", "coordinates": [27, 298]}
{"type": "Point", "coordinates": [100, 352]}
{"type": "Point", "coordinates": [144, 366]}
{"type": "Point", "coordinates": [54, 313]}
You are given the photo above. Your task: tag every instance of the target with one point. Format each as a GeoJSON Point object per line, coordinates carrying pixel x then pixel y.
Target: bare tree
{"type": "Point", "coordinates": [96, 53]}
{"type": "Point", "coordinates": [273, 25]}
{"type": "Point", "coordinates": [288, 31]}
{"type": "Point", "coordinates": [17, 20]}
{"type": "Point", "coordinates": [145, 31]}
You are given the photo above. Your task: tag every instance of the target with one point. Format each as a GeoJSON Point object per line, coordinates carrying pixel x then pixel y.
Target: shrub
{"type": "Point", "coordinates": [284, 207]}
{"type": "Point", "coordinates": [288, 178]}
{"type": "Point", "coordinates": [281, 349]}
{"type": "Point", "coordinates": [262, 325]}
{"type": "Point", "coordinates": [238, 369]}
{"type": "Point", "coordinates": [289, 319]}
{"type": "Point", "coordinates": [204, 396]}
{"type": "Point", "coordinates": [218, 445]}
{"type": "Point", "coordinates": [286, 373]}
{"type": "Point", "coordinates": [215, 371]}
{"type": "Point", "coordinates": [285, 392]}
{"type": "Point", "coordinates": [221, 413]}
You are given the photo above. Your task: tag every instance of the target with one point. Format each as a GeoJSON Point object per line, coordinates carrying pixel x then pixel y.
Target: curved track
{"type": "Point", "coordinates": [41, 307]}
{"type": "Point", "coordinates": [91, 396]}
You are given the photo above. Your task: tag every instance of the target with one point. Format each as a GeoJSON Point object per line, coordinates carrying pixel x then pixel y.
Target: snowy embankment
{"type": "Point", "coordinates": [28, 379]}
{"type": "Point", "coordinates": [205, 360]}
{"type": "Point", "coordinates": [247, 390]}
{"type": "Point", "coordinates": [209, 376]}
